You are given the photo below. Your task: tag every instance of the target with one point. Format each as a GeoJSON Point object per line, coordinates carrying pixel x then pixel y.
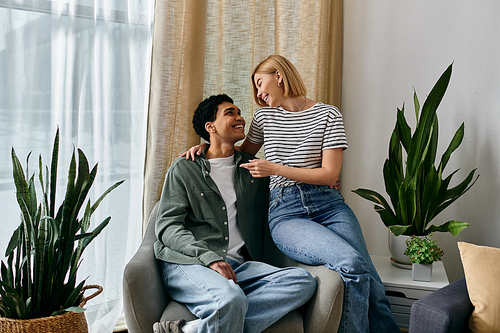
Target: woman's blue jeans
{"type": "Point", "coordinates": [313, 225]}
{"type": "Point", "coordinates": [263, 294]}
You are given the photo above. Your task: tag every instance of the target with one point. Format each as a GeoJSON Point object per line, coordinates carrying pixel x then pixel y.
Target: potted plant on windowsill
{"type": "Point", "coordinates": [423, 252]}
{"type": "Point", "coordinates": [416, 186]}
{"type": "Point", "coordinates": [39, 291]}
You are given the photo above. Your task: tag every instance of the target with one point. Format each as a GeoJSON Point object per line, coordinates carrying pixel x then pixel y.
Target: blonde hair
{"type": "Point", "coordinates": [292, 82]}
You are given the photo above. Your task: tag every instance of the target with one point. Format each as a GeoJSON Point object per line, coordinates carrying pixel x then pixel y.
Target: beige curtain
{"type": "Point", "coordinates": [207, 47]}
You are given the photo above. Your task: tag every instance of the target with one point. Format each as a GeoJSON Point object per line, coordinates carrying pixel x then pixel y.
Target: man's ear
{"type": "Point", "coordinates": [210, 127]}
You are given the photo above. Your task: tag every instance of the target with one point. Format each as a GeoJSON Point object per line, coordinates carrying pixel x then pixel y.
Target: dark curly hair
{"type": "Point", "coordinates": [206, 112]}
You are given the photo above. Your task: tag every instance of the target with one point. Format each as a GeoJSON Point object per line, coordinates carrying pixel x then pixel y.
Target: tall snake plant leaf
{"type": "Point", "coordinates": [455, 142]}
{"type": "Point", "coordinates": [429, 196]}
{"type": "Point", "coordinates": [14, 240]}
{"type": "Point", "coordinates": [15, 305]}
{"type": "Point", "coordinates": [427, 117]}
{"type": "Point", "coordinates": [22, 191]}
{"type": "Point", "coordinates": [403, 129]}
{"type": "Point", "coordinates": [53, 175]}
{"type": "Point", "coordinates": [98, 201]}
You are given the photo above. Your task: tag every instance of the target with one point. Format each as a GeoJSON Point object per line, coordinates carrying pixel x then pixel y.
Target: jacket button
{"type": "Point", "coordinates": [201, 194]}
{"type": "Point", "coordinates": [225, 223]}
{"type": "Point", "coordinates": [226, 238]}
{"type": "Point", "coordinates": [223, 208]}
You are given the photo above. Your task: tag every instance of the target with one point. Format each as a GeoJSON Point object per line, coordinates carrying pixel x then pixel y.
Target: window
{"type": "Point", "coordinates": [83, 66]}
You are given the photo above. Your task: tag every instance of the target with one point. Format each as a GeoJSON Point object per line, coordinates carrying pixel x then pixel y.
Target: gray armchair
{"type": "Point", "coordinates": [146, 301]}
{"type": "Point", "coordinates": [446, 310]}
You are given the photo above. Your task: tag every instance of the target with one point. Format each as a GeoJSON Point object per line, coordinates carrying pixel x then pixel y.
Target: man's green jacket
{"type": "Point", "coordinates": [192, 224]}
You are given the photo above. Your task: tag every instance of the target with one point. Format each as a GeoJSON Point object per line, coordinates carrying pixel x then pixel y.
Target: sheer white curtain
{"type": "Point", "coordinates": [82, 65]}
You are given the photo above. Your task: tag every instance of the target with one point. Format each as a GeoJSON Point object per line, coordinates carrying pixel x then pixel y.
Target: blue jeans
{"type": "Point", "coordinates": [313, 225]}
{"type": "Point", "coordinates": [263, 294]}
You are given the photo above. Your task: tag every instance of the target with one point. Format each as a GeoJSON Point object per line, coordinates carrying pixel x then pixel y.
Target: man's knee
{"type": "Point", "coordinates": [306, 280]}
{"type": "Point", "coordinates": [299, 280]}
{"type": "Point", "coordinates": [234, 301]}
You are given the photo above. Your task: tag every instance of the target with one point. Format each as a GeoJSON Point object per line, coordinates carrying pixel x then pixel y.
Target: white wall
{"type": "Point", "coordinates": [391, 46]}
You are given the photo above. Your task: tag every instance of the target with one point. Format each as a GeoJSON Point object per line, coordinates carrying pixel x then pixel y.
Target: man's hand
{"type": "Point", "coordinates": [224, 269]}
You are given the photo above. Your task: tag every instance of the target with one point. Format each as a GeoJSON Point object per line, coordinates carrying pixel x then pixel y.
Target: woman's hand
{"type": "Point", "coordinates": [260, 168]}
{"type": "Point", "coordinates": [195, 150]}
{"type": "Point", "coordinates": [337, 185]}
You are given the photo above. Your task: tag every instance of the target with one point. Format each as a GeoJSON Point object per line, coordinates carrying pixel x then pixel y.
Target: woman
{"type": "Point", "coordinates": [308, 218]}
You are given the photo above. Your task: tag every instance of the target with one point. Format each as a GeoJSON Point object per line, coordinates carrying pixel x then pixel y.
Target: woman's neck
{"type": "Point", "coordinates": [295, 104]}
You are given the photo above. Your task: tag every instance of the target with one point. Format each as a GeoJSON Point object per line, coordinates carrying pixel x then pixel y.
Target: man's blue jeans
{"type": "Point", "coordinates": [263, 294]}
{"type": "Point", "coordinates": [313, 225]}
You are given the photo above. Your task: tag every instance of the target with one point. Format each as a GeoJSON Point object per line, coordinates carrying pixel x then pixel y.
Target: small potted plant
{"type": "Point", "coordinates": [423, 252]}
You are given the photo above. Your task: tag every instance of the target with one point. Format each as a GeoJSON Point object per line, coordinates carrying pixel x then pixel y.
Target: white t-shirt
{"type": "Point", "coordinates": [297, 139]}
{"type": "Point", "coordinates": [222, 172]}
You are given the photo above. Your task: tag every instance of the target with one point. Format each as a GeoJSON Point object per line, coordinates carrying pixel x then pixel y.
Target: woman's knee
{"type": "Point", "coordinates": [353, 265]}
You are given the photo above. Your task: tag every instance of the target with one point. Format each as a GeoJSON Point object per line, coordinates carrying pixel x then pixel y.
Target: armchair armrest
{"type": "Point", "coordinates": [323, 312]}
{"type": "Point", "coordinates": [325, 307]}
{"type": "Point", "coordinates": [445, 310]}
{"type": "Point", "coordinates": [144, 298]}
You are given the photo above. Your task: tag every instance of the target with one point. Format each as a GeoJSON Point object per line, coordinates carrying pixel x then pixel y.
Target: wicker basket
{"type": "Point", "coordinates": [68, 322]}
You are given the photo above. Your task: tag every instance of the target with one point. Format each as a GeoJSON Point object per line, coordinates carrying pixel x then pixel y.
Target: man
{"type": "Point", "coordinates": [211, 223]}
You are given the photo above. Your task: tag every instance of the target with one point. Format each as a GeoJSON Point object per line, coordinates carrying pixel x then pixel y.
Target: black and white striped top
{"type": "Point", "coordinates": [297, 139]}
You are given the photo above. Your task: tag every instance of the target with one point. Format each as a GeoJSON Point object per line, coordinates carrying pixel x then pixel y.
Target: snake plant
{"type": "Point", "coordinates": [39, 277]}
{"type": "Point", "coordinates": [416, 187]}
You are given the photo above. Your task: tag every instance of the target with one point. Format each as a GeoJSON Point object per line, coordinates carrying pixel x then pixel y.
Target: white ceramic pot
{"type": "Point", "coordinates": [397, 247]}
{"type": "Point", "coordinates": [421, 272]}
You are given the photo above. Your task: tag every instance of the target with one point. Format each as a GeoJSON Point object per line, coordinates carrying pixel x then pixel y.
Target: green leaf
{"type": "Point", "coordinates": [53, 175]}
{"type": "Point", "coordinates": [387, 215]}
{"type": "Point", "coordinates": [453, 194]}
{"type": "Point", "coordinates": [14, 241]}
{"type": "Point", "coordinates": [75, 309]}
{"type": "Point", "coordinates": [398, 230]}
{"type": "Point", "coordinates": [12, 301]}
{"type": "Point", "coordinates": [416, 103]}
{"type": "Point", "coordinates": [372, 196]}
{"type": "Point", "coordinates": [72, 298]}
{"type": "Point", "coordinates": [429, 196]}
{"type": "Point", "coordinates": [391, 180]}
{"type": "Point", "coordinates": [454, 227]}
{"type": "Point", "coordinates": [111, 188]}
{"type": "Point", "coordinates": [427, 117]}
{"type": "Point", "coordinates": [96, 232]}
{"type": "Point", "coordinates": [454, 144]}
{"type": "Point", "coordinates": [404, 130]}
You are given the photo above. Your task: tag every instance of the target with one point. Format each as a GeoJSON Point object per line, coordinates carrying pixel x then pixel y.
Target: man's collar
{"type": "Point", "coordinates": [237, 155]}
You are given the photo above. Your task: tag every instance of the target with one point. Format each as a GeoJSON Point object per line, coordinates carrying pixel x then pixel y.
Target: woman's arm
{"type": "Point", "coordinates": [246, 147]}
{"type": "Point", "coordinates": [249, 147]}
{"type": "Point", "coordinates": [327, 174]}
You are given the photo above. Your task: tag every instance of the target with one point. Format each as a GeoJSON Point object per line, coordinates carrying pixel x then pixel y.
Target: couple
{"type": "Point", "coordinates": [213, 212]}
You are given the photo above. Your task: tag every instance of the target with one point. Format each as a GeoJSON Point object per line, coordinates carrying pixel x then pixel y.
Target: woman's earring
{"type": "Point", "coordinates": [279, 84]}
